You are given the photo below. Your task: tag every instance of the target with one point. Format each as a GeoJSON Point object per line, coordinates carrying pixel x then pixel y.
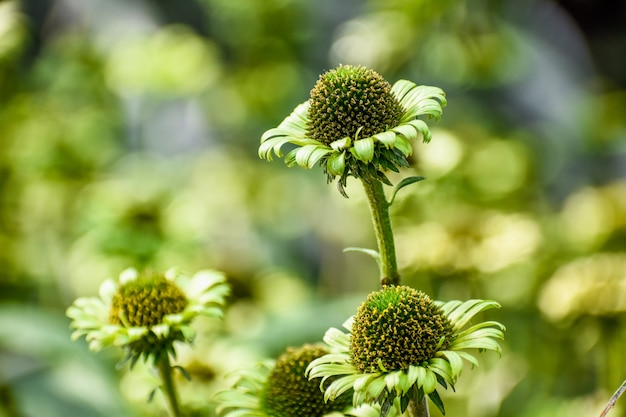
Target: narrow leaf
{"type": "Point", "coordinates": [436, 399]}
{"type": "Point", "coordinates": [404, 183]}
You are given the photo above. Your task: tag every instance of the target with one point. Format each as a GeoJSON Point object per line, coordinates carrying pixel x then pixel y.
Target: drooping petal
{"type": "Point", "coordinates": [291, 130]}
{"type": "Point", "coordinates": [418, 100]}
{"type": "Point", "coordinates": [336, 163]}
{"type": "Point", "coordinates": [464, 312]}
{"type": "Point", "coordinates": [363, 149]}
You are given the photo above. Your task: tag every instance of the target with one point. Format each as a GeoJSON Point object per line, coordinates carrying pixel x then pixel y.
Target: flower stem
{"type": "Point", "coordinates": [169, 389]}
{"type": "Point", "coordinates": [418, 408]}
{"type": "Point", "coordinates": [379, 208]}
{"type": "Point", "coordinates": [614, 399]}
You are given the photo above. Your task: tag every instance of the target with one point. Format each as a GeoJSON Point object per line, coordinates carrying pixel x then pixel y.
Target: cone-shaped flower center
{"type": "Point", "coordinates": [395, 327]}
{"type": "Point", "coordinates": [145, 300]}
{"type": "Point", "coordinates": [347, 99]}
{"type": "Point", "coordinates": [290, 394]}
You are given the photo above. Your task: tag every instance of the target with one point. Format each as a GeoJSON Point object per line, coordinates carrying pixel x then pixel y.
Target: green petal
{"type": "Point", "coordinates": [418, 100]}
{"type": "Point", "coordinates": [363, 149]}
{"type": "Point", "coordinates": [339, 386]}
{"type": "Point", "coordinates": [341, 144]}
{"type": "Point", "coordinates": [392, 380]}
{"type": "Point", "coordinates": [403, 145]}
{"type": "Point", "coordinates": [291, 130]}
{"type": "Point", "coordinates": [455, 362]}
{"type": "Point", "coordinates": [337, 339]}
{"type": "Point", "coordinates": [421, 127]}
{"type": "Point", "coordinates": [307, 156]}
{"type": "Point", "coordinates": [485, 324]}
{"type": "Point", "coordinates": [429, 382]}
{"type": "Point", "coordinates": [201, 281]}
{"type": "Point", "coordinates": [387, 138]}
{"type": "Point", "coordinates": [336, 163]}
{"type": "Point", "coordinates": [478, 343]}
{"type": "Point", "coordinates": [376, 387]}
{"type": "Point", "coordinates": [107, 290]}
{"type": "Point", "coordinates": [464, 312]}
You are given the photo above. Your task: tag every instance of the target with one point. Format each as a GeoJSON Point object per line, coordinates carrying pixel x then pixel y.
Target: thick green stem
{"type": "Point", "coordinates": [165, 372]}
{"type": "Point", "coordinates": [379, 208]}
{"type": "Point", "coordinates": [418, 408]}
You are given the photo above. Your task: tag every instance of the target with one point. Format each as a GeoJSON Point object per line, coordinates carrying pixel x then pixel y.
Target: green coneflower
{"type": "Point", "coordinates": [145, 313]}
{"type": "Point", "coordinates": [355, 124]}
{"type": "Point", "coordinates": [400, 345]}
{"type": "Point", "coordinates": [280, 389]}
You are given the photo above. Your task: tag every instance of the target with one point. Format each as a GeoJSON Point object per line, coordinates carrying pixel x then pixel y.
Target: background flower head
{"type": "Point", "coordinates": [145, 313]}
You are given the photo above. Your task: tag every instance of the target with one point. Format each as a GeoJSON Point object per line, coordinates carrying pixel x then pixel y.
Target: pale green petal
{"type": "Point", "coordinates": [479, 343]}
{"type": "Point", "coordinates": [339, 386]}
{"type": "Point", "coordinates": [202, 281]}
{"type": "Point", "coordinates": [341, 144]}
{"type": "Point", "coordinates": [292, 130]}
{"type": "Point", "coordinates": [408, 130]}
{"type": "Point", "coordinates": [337, 339]}
{"type": "Point", "coordinates": [403, 145]}
{"type": "Point", "coordinates": [468, 357]}
{"type": "Point", "coordinates": [419, 126]}
{"type": "Point", "coordinates": [392, 380]}
{"type": "Point", "coordinates": [336, 163]}
{"type": "Point", "coordinates": [161, 330]}
{"type": "Point", "coordinates": [429, 383]}
{"type": "Point", "coordinates": [107, 290]}
{"type": "Point", "coordinates": [454, 360]}
{"type": "Point", "coordinates": [136, 333]}
{"type": "Point", "coordinates": [326, 370]}
{"type": "Point", "coordinates": [442, 367]}
{"type": "Point", "coordinates": [418, 100]}
{"type": "Point", "coordinates": [128, 275]}
{"type": "Point", "coordinates": [364, 380]}
{"type": "Point", "coordinates": [363, 149]}
{"type": "Point", "coordinates": [387, 138]}
{"type": "Point", "coordinates": [348, 324]}
{"type": "Point", "coordinates": [307, 156]}
{"type": "Point", "coordinates": [485, 324]}
{"type": "Point", "coordinates": [375, 387]}
{"type": "Point", "coordinates": [463, 313]}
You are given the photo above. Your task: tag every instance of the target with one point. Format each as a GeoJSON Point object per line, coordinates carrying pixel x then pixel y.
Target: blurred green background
{"type": "Point", "coordinates": [129, 134]}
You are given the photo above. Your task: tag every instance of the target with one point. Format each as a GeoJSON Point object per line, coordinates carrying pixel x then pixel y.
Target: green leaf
{"type": "Point", "coordinates": [371, 252]}
{"type": "Point", "coordinates": [404, 402]}
{"type": "Point", "coordinates": [404, 183]}
{"type": "Point", "coordinates": [182, 371]}
{"type": "Point", "coordinates": [436, 399]}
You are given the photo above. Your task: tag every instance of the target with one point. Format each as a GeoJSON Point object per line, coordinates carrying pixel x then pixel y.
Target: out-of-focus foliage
{"type": "Point", "coordinates": [129, 135]}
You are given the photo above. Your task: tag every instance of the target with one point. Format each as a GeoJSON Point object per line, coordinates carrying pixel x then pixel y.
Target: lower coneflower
{"type": "Point", "coordinates": [401, 345]}
{"type": "Point", "coordinates": [280, 389]}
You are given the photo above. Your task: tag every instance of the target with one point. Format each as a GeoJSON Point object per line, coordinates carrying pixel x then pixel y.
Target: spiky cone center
{"type": "Point", "coordinates": [144, 301]}
{"type": "Point", "coordinates": [395, 327]}
{"type": "Point", "coordinates": [347, 100]}
{"type": "Point", "coordinates": [289, 393]}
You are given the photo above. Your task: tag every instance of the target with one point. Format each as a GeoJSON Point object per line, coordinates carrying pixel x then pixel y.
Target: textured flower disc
{"type": "Point", "coordinates": [145, 300]}
{"type": "Point", "coordinates": [347, 99]}
{"type": "Point", "coordinates": [395, 327]}
{"type": "Point", "coordinates": [290, 394]}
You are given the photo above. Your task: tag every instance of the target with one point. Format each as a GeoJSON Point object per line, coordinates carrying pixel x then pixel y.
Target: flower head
{"type": "Point", "coordinates": [280, 389]}
{"type": "Point", "coordinates": [355, 124]}
{"type": "Point", "coordinates": [145, 313]}
{"type": "Point", "coordinates": [400, 345]}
